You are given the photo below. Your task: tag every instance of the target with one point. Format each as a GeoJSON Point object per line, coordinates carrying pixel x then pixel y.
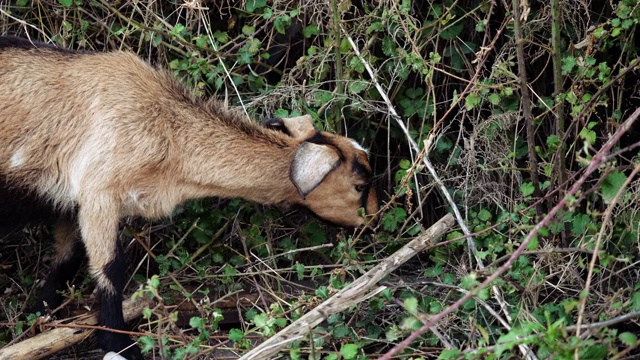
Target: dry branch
{"type": "Point", "coordinates": [52, 341]}
{"type": "Point", "coordinates": [354, 293]}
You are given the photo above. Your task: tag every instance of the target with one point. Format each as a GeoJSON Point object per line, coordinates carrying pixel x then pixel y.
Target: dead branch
{"type": "Point", "coordinates": [354, 293]}
{"type": "Point", "coordinates": [52, 341]}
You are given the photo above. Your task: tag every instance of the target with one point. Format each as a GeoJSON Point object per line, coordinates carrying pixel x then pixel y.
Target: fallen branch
{"type": "Point", "coordinates": [52, 341]}
{"type": "Point", "coordinates": [354, 293]}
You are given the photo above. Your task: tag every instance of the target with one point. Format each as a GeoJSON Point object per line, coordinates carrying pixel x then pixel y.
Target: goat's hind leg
{"type": "Point", "coordinates": [69, 255]}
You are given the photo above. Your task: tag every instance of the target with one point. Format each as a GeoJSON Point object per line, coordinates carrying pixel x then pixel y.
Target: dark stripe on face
{"type": "Point", "coordinates": [365, 197]}
{"type": "Point", "coordinates": [360, 170]}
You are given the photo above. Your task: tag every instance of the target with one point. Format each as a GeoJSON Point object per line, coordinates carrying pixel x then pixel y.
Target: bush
{"type": "Point", "coordinates": [509, 108]}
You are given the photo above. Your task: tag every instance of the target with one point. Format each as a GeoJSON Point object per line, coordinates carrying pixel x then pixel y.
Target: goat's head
{"type": "Point", "coordinates": [331, 173]}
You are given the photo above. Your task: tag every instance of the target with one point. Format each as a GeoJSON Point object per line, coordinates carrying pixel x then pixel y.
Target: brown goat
{"type": "Point", "coordinates": [101, 136]}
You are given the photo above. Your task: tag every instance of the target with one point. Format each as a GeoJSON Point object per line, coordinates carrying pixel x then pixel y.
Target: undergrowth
{"type": "Point", "coordinates": [509, 110]}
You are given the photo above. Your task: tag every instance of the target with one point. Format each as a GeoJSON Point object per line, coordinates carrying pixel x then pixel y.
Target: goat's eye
{"type": "Point", "coordinates": [361, 187]}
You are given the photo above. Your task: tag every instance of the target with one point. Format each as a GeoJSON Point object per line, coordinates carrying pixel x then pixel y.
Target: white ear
{"type": "Point", "coordinates": [311, 164]}
{"type": "Point", "coordinates": [299, 127]}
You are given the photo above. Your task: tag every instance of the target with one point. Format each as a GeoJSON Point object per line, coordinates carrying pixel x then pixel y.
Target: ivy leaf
{"type": "Point", "coordinates": [611, 185]}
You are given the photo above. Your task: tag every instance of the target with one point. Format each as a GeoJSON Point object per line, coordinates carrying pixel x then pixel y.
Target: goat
{"type": "Point", "coordinates": [102, 136]}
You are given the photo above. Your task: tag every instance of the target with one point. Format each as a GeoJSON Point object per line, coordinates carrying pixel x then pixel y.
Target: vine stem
{"type": "Point", "coordinates": [597, 159]}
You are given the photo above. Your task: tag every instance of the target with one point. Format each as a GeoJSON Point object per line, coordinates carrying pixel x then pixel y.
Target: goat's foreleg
{"type": "Point", "coordinates": [98, 220]}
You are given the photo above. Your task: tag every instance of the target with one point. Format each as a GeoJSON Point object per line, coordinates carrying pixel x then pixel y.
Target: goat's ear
{"type": "Point", "coordinates": [276, 124]}
{"type": "Point", "coordinates": [311, 164]}
{"type": "Point", "coordinates": [299, 127]}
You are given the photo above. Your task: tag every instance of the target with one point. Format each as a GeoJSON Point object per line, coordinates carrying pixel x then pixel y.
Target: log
{"type": "Point", "coordinates": [352, 294]}
{"type": "Point", "coordinates": [52, 341]}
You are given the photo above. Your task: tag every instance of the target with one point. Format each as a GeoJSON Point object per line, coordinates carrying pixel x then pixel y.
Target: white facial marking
{"type": "Point", "coordinates": [358, 146]}
{"type": "Point", "coordinates": [17, 159]}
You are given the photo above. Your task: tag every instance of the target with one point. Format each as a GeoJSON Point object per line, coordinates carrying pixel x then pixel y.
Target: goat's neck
{"type": "Point", "coordinates": [228, 162]}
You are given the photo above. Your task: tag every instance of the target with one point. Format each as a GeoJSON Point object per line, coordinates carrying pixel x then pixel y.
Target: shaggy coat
{"type": "Point", "coordinates": [97, 137]}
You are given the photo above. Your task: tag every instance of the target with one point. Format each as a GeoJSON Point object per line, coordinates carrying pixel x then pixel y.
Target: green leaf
{"type": "Point", "coordinates": [635, 301]}
{"type": "Point", "coordinates": [147, 343]}
{"type": "Point", "coordinates": [453, 31]}
{"type": "Point", "coordinates": [236, 335]}
{"type": "Point", "coordinates": [66, 3]}
{"type": "Point", "coordinates": [311, 30]}
{"type": "Point", "coordinates": [580, 223]}
{"type": "Point", "coordinates": [568, 63]}
{"type": "Point", "coordinates": [349, 351]}
{"type": "Point", "coordinates": [472, 101]}
{"type": "Point", "coordinates": [449, 354]}
{"type": "Point", "coordinates": [356, 87]}
{"type": "Point", "coordinates": [593, 352]}
{"type": "Point", "coordinates": [484, 215]}
{"type": "Point", "coordinates": [469, 282]}
{"type": "Point", "coordinates": [411, 305]}
{"type": "Point", "coordinates": [196, 322]}
{"type": "Point", "coordinates": [527, 189]}
{"type": "Point", "coordinates": [628, 338]}
{"type": "Point", "coordinates": [248, 30]}
{"type": "Point", "coordinates": [494, 99]}
{"type": "Point", "coordinates": [376, 26]}
{"type": "Point", "coordinates": [252, 5]}
{"type": "Point", "coordinates": [281, 23]}
{"type": "Point", "coordinates": [611, 185]}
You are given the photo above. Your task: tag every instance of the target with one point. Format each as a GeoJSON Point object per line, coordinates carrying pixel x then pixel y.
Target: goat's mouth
{"type": "Point", "coordinates": [305, 212]}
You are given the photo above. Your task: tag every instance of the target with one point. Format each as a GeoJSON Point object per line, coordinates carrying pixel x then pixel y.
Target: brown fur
{"type": "Point", "coordinates": [109, 136]}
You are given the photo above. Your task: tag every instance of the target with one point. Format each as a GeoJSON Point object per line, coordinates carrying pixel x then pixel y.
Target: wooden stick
{"type": "Point", "coordinates": [52, 341]}
{"type": "Point", "coordinates": [354, 293]}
